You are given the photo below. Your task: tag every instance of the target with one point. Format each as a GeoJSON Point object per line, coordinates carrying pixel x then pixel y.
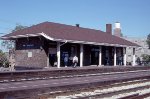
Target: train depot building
{"type": "Point", "coordinates": [47, 44]}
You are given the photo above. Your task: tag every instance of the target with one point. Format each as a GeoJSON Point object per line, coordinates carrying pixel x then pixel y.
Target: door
{"type": "Point", "coordinates": [52, 57]}
{"type": "Point", "coordinates": [94, 56]}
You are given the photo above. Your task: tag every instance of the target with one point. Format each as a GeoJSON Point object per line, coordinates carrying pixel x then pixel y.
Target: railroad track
{"type": "Point", "coordinates": [62, 73]}
{"type": "Point", "coordinates": [86, 93]}
{"type": "Point", "coordinates": [132, 77]}
{"type": "Point", "coordinates": [43, 77]}
{"type": "Point", "coordinates": [76, 88]}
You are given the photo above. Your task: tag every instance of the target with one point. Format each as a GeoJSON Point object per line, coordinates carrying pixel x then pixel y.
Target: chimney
{"type": "Point", "coordinates": [117, 30]}
{"type": "Point", "coordinates": [109, 29]}
{"type": "Point", "coordinates": [77, 25]}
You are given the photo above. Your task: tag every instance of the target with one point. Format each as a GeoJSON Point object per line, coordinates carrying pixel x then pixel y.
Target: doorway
{"type": "Point", "coordinates": [52, 57]}
{"type": "Point", "coordinates": [94, 56]}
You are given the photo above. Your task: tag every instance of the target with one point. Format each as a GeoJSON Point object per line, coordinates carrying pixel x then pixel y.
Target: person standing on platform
{"type": "Point", "coordinates": [66, 60]}
{"type": "Point", "coordinates": [75, 61]}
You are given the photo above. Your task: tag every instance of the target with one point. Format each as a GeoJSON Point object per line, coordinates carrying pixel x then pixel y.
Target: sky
{"type": "Point", "coordinates": [134, 15]}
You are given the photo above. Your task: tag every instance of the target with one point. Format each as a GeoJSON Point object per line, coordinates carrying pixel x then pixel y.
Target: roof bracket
{"type": "Point", "coordinates": [64, 43]}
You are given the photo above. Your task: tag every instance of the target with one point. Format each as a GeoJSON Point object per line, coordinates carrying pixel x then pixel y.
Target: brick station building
{"type": "Point", "coordinates": [46, 44]}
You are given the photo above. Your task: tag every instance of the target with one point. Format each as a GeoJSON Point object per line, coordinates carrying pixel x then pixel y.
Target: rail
{"type": "Point", "coordinates": [61, 73]}
{"type": "Point", "coordinates": [40, 93]}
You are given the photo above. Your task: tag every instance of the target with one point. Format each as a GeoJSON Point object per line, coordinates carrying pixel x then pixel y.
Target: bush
{"type": "Point", "coordinates": [146, 57]}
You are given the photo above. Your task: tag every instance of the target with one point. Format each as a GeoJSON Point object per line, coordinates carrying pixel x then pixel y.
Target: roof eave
{"type": "Point", "coordinates": [18, 36]}
{"type": "Point", "coordinates": [83, 42]}
{"type": "Point", "coordinates": [63, 40]}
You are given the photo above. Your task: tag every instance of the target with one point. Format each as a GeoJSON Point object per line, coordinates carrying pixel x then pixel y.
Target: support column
{"type": "Point", "coordinates": [58, 54]}
{"type": "Point", "coordinates": [48, 59]}
{"type": "Point", "coordinates": [133, 64]}
{"type": "Point", "coordinates": [124, 57]}
{"type": "Point", "coordinates": [100, 55]}
{"type": "Point", "coordinates": [81, 55]}
{"type": "Point", "coordinates": [114, 56]}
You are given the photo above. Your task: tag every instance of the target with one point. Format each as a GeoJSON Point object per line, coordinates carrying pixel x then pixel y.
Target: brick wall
{"type": "Point", "coordinates": [31, 53]}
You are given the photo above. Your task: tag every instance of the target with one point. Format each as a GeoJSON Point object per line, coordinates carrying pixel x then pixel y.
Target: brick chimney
{"type": "Point", "coordinates": [109, 29]}
{"type": "Point", "coordinates": [117, 30]}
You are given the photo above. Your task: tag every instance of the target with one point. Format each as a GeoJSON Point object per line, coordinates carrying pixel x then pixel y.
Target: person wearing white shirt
{"type": "Point", "coordinates": [75, 61]}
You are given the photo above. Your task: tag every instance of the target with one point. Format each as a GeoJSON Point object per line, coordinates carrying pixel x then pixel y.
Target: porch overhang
{"type": "Point", "coordinates": [83, 42]}
{"type": "Point", "coordinates": [63, 40]}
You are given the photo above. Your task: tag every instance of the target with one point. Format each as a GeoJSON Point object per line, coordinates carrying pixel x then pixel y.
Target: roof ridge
{"type": "Point", "coordinates": [71, 26]}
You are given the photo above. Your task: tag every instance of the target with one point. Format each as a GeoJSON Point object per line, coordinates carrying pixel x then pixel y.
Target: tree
{"type": "Point", "coordinates": [3, 59]}
{"type": "Point", "coordinates": [148, 40]}
{"type": "Point", "coordinates": [9, 44]}
{"type": "Point", "coordinates": [145, 57]}
{"type": "Point", "coordinates": [18, 27]}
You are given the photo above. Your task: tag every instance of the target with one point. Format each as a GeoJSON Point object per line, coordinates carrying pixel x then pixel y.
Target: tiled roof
{"type": "Point", "coordinates": [68, 32]}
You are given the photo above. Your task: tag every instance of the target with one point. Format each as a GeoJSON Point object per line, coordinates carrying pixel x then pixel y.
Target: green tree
{"type": "Point", "coordinates": [148, 40]}
{"type": "Point", "coordinates": [3, 59]}
{"type": "Point", "coordinates": [146, 57]}
{"type": "Point", "coordinates": [18, 27]}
